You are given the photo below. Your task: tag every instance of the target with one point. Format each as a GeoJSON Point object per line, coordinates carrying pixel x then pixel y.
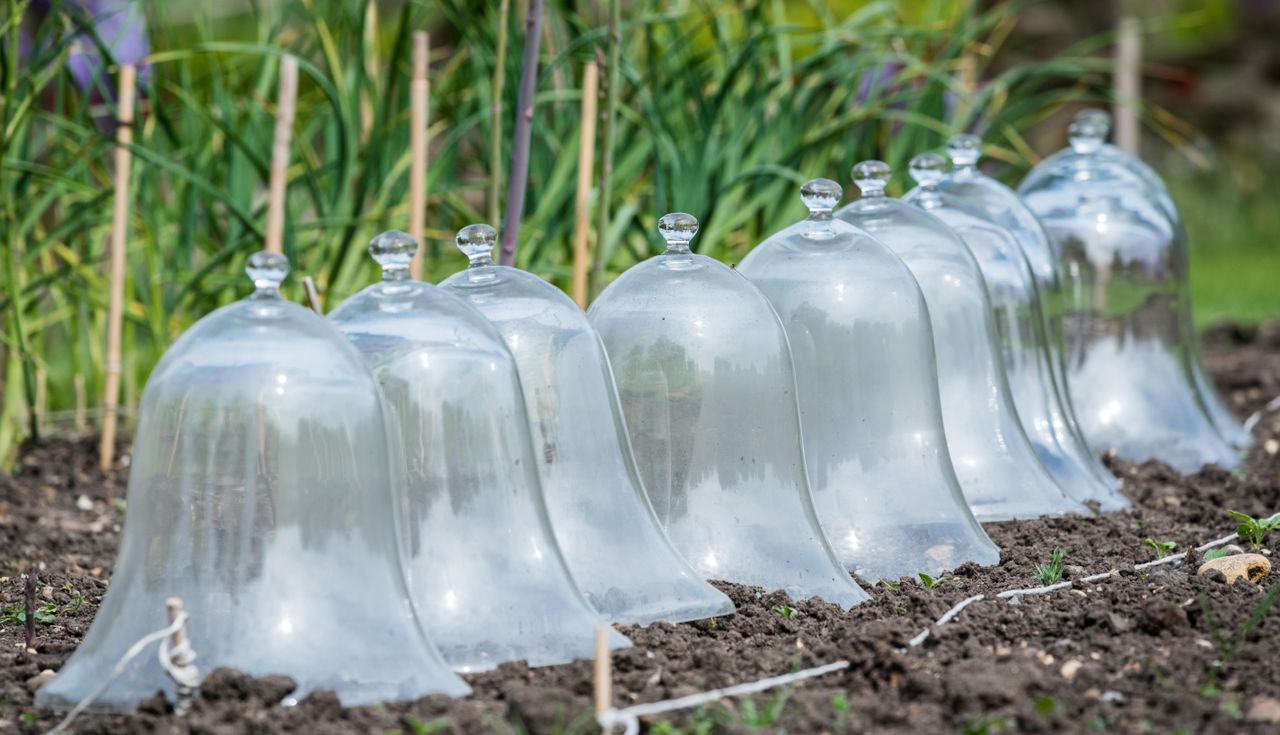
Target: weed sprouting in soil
{"type": "Point", "coordinates": [986, 725]}
{"type": "Point", "coordinates": [1228, 647]}
{"type": "Point", "coordinates": [930, 582]}
{"type": "Point", "coordinates": [785, 611]}
{"type": "Point", "coordinates": [840, 705]}
{"type": "Point", "coordinates": [890, 584]}
{"type": "Point", "coordinates": [1051, 573]}
{"type": "Point", "coordinates": [1162, 548]}
{"type": "Point", "coordinates": [1046, 705]}
{"type": "Point", "coordinates": [1212, 554]}
{"type": "Point", "coordinates": [1255, 530]}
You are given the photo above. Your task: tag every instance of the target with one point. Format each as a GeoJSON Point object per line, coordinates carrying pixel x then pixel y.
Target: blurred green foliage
{"type": "Point", "coordinates": [724, 108]}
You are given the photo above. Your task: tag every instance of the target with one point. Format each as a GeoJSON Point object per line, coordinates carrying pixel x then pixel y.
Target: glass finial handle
{"type": "Point", "coordinates": [1096, 116]}
{"type": "Point", "coordinates": [871, 177]}
{"type": "Point", "coordinates": [820, 195]}
{"type": "Point", "coordinates": [477, 243]}
{"type": "Point", "coordinates": [394, 251]}
{"type": "Point", "coordinates": [268, 271]}
{"type": "Point", "coordinates": [928, 169]}
{"type": "Point", "coordinates": [964, 150]}
{"type": "Point", "coordinates": [677, 229]}
{"type": "Point", "coordinates": [1089, 131]}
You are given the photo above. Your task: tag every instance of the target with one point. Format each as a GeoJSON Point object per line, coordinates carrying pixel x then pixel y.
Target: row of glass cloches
{"type": "Point", "coordinates": [438, 479]}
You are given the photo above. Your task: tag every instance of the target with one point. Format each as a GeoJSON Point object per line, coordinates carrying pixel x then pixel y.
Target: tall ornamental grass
{"type": "Point", "coordinates": [720, 109]}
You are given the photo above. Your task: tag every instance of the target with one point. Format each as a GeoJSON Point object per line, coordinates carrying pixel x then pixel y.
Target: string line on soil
{"type": "Point", "coordinates": [1256, 416]}
{"type": "Point", "coordinates": [629, 717]}
{"type": "Point", "coordinates": [1015, 594]}
{"type": "Point", "coordinates": [138, 647]}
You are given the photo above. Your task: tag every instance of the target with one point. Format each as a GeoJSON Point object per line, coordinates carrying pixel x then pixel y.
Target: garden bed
{"type": "Point", "coordinates": [1135, 652]}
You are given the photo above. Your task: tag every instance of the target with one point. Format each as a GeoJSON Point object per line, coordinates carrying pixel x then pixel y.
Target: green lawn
{"type": "Point", "coordinates": [1235, 285]}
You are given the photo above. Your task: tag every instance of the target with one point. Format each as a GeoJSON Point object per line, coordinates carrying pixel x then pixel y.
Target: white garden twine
{"type": "Point", "coordinates": [1015, 595]}
{"type": "Point", "coordinates": [1256, 416]}
{"type": "Point", "coordinates": [629, 717]}
{"type": "Point", "coordinates": [177, 663]}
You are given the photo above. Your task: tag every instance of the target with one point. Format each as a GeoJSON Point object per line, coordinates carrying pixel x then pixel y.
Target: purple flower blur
{"type": "Point", "coordinates": [119, 24]}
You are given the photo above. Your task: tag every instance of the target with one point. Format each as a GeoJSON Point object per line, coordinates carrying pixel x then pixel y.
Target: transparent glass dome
{"type": "Point", "coordinates": [1223, 420]}
{"type": "Point", "coordinates": [260, 494]}
{"type": "Point", "coordinates": [485, 572]}
{"type": "Point", "coordinates": [1129, 341]}
{"type": "Point", "coordinates": [611, 539]}
{"type": "Point", "coordinates": [998, 469]}
{"type": "Point", "coordinates": [708, 393]}
{"type": "Point", "coordinates": [1004, 207]}
{"type": "Point", "coordinates": [1021, 331]}
{"type": "Point", "coordinates": [867, 385]}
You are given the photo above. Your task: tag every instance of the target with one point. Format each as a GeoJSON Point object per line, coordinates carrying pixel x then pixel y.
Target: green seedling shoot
{"type": "Point", "coordinates": [1051, 573]}
{"type": "Point", "coordinates": [1212, 554]}
{"type": "Point", "coordinates": [785, 611]}
{"type": "Point", "coordinates": [1162, 548]}
{"type": "Point", "coordinates": [929, 582]}
{"type": "Point", "coordinates": [1255, 530]}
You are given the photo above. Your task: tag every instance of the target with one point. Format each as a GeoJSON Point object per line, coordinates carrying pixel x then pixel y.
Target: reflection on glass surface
{"type": "Point", "coordinates": [868, 391]}
{"type": "Point", "coordinates": [260, 493]}
{"type": "Point", "coordinates": [1130, 351]}
{"type": "Point", "coordinates": [611, 539]}
{"type": "Point", "coordinates": [964, 201]}
{"type": "Point", "coordinates": [485, 572]}
{"type": "Point", "coordinates": [999, 471]}
{"type": "Point", "coordinates": [708, 393]}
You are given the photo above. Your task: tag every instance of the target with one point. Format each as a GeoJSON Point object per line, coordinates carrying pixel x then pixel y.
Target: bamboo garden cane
{"type": "Point", "coordinates": [586, 162]}
{"type": "Point", "coordinates": [418, 97]}
{"type": "Point", "coordinates": [288, 99]}
{"type": "Point", "coordinates": [1128, 85]}
{"type": "Point", "coordinates": [119, 225]}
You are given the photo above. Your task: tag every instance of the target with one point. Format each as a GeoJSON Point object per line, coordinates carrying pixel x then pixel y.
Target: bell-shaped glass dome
{"type": "Point", "coordinates": [261, 494]}
{"type": "Point", "coordinates": [1099, 120]}
{"type": "Point", "coordinates": [998, 469]}
{"type": "Point", "coordinates": [1004, 207]}
{"type": "Point", "coordinates": [611, 539]}
{"type": "Point", "coordinates": [1129, 340]}
{"type": "Point", "coordinates": [867, 385]}
{"type": "Point", "coordinates": [485, 572]}
{"type": "Point", "coordinates": [1020, 332]}
{"type": "Point", "coordinates": [708, 393]}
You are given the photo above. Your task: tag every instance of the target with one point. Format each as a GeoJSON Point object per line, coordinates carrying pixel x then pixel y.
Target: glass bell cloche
{"type": "Point", "coordinates": [1021, 331]}
{"type": "Point", "coordinates": [610, 537]}
{"type": "Point", "coordinates": [999, 471]}
{"type": "Point", "coordinates": [1004, 207]}
{"type": "Point", "coordinates": [1129, 341]}
{"type": "Point", "coordinates": [867, 384]}
{"type": "Point", "coordinates": [708, 393]}
{"type": "Point", "coordinates": [1223, 420]}
{"type": "Point", "coordinates": [260, 493]}
{"type": "Point", "coordinates": [485, 571]}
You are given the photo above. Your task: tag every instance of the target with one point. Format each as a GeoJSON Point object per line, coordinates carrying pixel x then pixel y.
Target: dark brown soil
{"type": "Point", "coordinates": [1163, 651]}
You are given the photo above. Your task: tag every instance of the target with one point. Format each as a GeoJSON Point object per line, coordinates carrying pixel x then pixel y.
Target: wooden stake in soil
{"type": "Point", "coordinates": [586, 162]}
{"type": "Point", "coordinates": [288, 101]}
{"type": "Point", "coordinates": [119, 224]}
{"type": "Point", "coordinates": [1128, 85]}
{"type": "Point", "coordinates": [604, 671]}
{"type": "Point", "coordinates": [313, 295]}
{"type": "Point", "coordinates": [418, 96]}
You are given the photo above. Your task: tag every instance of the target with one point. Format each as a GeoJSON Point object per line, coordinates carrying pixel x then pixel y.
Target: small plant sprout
{"type": "Point", "coordinates": [889, 583]}
{"type": "Point", "coordinates": [929, 582]}
{"type": "Point", "coordinates": [1051, 573]}
{"type": "Point", "coordinates": [785, 611]}
{"type": "Point", "coordinates": [1212, 554]}
{"type": "Point", "coordinates": [1162, 548]}
{"type": "Point", "coordinates": [1255, 530]}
